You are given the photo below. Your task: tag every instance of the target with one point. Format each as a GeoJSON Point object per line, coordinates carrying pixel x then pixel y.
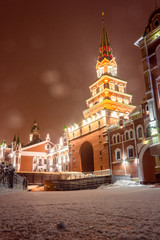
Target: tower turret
{"type": "Point", "coordinates": [34, 132]}
{"type": "Point", "coordinates": [105, 62]}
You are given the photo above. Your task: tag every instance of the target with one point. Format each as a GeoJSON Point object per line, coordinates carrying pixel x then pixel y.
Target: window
{"type": "Point", "coordinates": [89, 128]}
{"type": "Point", "coordinates": [34, 160]}
{"type": "Point", "coordinates": [101, 87]}
{"type": "Point", "coordinates": [99, 124]}
{"type": "Point", "coordinates": [101, 99]}
{"type": "Point", "coordinates": [111, 85]}
{"type": "Point", "coordinates": [120, 100]}
{"type": "Point", "coordinates": [156, 23]}
{"type": "Point", "coordinates": [40, 162]}
{"type": "Point", "coordinates": [113, 98]}
{"type": "Point", "coordinates": [118, 137]}
{"type": "Point", "coordinates": [131, 134]}
{"type": "Point", "coordinates": [114, 139]}
{"type": "Point", "coordinates": [94, 91]}
{"type": "Point", "coordinates": [126, 101]}
{"type": "Point", "coordinates": [126, 136]}
{"type": "Point", "coordinates": [121, 88]}
{"type": "Point", "coordinates": [147, 109]}
{"type": "Point", "coordinates": [118, 154]}
{"type": "Point", "coordinates": [130, 152]}
{"type": "Point", "coordinates": [91, 104]}
{"type": "Point", "coordinates": [139, 132]}
{"type": "Point", "coordinates": [45, 161]}
{"type": "Point", "coordinates": [100, 153]}
{"type": "Point", "coordinates": [100, 138]}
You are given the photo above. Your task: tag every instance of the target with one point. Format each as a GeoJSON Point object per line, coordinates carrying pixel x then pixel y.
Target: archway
{"type": "Point", "coordinates": [87, 158]}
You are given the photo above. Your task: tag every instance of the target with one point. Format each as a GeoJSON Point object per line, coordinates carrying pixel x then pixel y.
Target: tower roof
{"type": "Point", "coordinates": [105, 49]}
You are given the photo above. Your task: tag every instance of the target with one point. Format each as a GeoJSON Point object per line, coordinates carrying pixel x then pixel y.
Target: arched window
{"type": "Point", "coordinates": [94, 91]}
{"type": "Point", "coordinates": [66, 156]}
{"type": "Point", "coordinates": [101, 87]}
{"type": "Point", "coordinates": [139, 131]}
{"type": "Point", "coordinates": [126, 135]}
{"type": "Point", "coordinates": [112, 85]}
{"type": "Point", "coordinates": [118, 137]}
{"type": "Point", "coordinates": [131, 134]}
{"type": "Point", "coordinates": [121, 88]}
{"type": "Point", "coordinates": [118, 154]}
{"type": "Point", "coordinates": [113, 98]}
{"type": "Point", "coordinates": [130, 151]}
{"type": "Point", "coordinates": [114, 138]}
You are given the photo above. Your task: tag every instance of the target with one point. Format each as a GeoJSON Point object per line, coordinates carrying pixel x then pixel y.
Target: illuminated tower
{"type": "Point", "coordinates": [34, 132]}
{"type": "Point", "coordinates": [88, 139]}
{"type": "Point", "coordinates": [108, 91]}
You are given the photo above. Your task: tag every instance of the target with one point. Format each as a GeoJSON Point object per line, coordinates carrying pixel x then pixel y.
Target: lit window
{"type": "Point", "coordinates": [91, 104]}
{"type": "Point", "coordinates": [111, 85]}
{"type": "Point", "coordinates": [101, 87]}
{"type": "Point", "coordinates": [101, 99]}
{"type": "Point", "coordinates": [147, 109]}
{"type": "Point", "coordinates": [121, 88]}
{"type": "Point", "coordinates": [118, 154]}
{"type": "Point", "coordinates": [126, 101]}
{"type": "Point", "coordinates": [130, 152]}
{"type": "Point", "coordinates": [113, 98]}
{"type": "Point", "coordinates": [94, 91]}
{"type": "Point", "coordinates": [120, 100]}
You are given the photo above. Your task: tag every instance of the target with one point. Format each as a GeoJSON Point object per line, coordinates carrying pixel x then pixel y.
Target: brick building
{"type": "Point", "coordinates": [114, 137]}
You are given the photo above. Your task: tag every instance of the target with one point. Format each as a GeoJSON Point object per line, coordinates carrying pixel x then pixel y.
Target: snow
{"type": "Point", "coordinates": [124, 183]}
{"type": "Point", "coordinates": [115, 212]}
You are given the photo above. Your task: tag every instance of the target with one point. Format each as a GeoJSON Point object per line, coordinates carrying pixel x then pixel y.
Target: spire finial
{"type": "Point", "coordinates": [103, 15]}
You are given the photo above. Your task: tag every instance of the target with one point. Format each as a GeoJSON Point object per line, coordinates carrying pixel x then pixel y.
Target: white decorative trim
{"type": "Point", "coordinates": [33, 154]}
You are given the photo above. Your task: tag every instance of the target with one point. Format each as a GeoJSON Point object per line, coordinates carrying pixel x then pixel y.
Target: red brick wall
{"type": "Point", "coordinates": [26, 163]}
{"type": "Point", "coordinates": [97, 145]}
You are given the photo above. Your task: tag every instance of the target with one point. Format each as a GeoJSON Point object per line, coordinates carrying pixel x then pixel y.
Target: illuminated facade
{"type": "Point", "coordinates": [88, 140]}
{"type": "Point", "coordinates": [149, 44]}
{"type": "Point", "coordinates": [37, 155]}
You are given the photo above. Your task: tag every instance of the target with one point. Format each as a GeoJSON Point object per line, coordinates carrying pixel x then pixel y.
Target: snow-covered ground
{"type": "Point", "coordinates": [115, 212]}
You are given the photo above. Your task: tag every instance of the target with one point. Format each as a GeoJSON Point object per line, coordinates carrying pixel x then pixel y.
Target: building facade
{"type": "Point", "coordinates": [149, 45]}
{"type": "Point", "coordinates": [114, 137]}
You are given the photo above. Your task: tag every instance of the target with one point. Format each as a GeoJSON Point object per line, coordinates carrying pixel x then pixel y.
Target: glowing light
{"type": "Point", "coordinates": [145, 142]}
{"type": "Point", "coordinates": [93, 118]}
{"type": "Point", "coordinates": [69, 130]}
{"type": "Point", "coordinates": [98, 115]}
{"type": "Point", "coordinates": [88, 120]}
{"type": "Point", "coordinates": [114, 114]}
{"type": "Point", "coordinates": [75, 126]}
{"type": "Point", "coordinates": [103, 112]}
{"type": "Point", "coordinates": [61, 141]}
{"type": "Point", "coordinates": [84, 122]}
{"type": "Point", "coordinates": [72, 128]}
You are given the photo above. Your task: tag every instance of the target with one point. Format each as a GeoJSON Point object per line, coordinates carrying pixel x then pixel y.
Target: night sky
{"type": "Point", "coordinates": [48, 53]}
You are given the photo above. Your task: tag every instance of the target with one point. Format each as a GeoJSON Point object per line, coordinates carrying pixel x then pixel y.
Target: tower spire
{"type": "Point", "coordinates": [105, 49]}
